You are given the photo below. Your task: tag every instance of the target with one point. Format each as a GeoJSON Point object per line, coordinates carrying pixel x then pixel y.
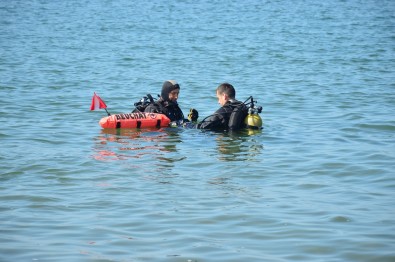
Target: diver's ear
{"type": "Point", "coordinates": [225, 96]}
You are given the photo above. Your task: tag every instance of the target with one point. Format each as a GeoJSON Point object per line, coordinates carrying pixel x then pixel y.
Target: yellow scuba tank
{"type": "Point", "coordinates": [253, 120]}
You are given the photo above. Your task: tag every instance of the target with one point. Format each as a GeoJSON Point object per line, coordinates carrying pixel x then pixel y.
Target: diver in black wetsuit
{"type": "Point", "coordinates": [232, 113]}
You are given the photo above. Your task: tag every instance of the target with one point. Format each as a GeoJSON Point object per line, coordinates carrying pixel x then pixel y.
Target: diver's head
{"type": "Point", "coordinates": [225, 92]}
{"type": "Point", "coordinates": [170, 91]}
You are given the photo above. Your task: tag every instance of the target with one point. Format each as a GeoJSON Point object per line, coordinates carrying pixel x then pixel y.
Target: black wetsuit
{"type": "Point", "coordinates": [220, 119]}
{"type": "Point", "coordinates": [170, 109]}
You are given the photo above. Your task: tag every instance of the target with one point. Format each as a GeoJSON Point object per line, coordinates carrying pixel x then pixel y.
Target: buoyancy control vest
{"type": "Point", "coordinates": [239, 113]}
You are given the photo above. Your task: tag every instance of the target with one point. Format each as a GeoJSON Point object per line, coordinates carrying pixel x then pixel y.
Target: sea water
{"type": "Point", "coordinates": [316, 184]}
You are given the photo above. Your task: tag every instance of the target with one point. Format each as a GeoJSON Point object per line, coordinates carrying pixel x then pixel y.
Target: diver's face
{"type": "Point", "coordinates": [222, 98]}
{"type": "Point", "coordinates": [173, 95]}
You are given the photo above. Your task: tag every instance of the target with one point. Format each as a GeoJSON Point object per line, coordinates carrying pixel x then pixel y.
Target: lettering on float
{"type": "Point", "coordinates": [131, 116]}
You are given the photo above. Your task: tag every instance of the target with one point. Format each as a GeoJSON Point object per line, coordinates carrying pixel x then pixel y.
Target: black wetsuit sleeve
{"type": "Point", "coordinates": [219, 120]}
{"type": "Point", "coordinates": [215, 121]}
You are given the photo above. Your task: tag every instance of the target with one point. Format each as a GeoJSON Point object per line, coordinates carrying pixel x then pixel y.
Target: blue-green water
{"type": "Point", "coordinates": [317, 184]}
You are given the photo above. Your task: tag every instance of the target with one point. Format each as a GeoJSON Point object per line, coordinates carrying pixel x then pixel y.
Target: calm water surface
{"type": "Point", "coordinates": [316, 184]}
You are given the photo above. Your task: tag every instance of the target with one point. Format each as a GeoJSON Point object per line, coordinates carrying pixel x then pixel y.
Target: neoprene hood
{"type": "Point", "coordinates": [167, 87]}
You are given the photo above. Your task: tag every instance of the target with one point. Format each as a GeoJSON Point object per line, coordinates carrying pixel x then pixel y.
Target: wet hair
{"type": "Point", "coordinates": [228, 89]}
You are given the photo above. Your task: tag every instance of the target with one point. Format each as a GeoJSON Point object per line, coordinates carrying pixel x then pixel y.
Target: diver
{"type": "Point", "coordinates": [231, 114]}
{"type": "Point", "coordinates": [167, 105]}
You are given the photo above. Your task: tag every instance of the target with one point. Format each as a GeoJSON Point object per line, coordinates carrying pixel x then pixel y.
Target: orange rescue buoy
{"type": "Point", "coordinates": [135, 120]}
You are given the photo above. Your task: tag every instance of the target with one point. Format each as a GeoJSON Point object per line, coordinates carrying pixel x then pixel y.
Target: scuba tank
{"type": "Point", "coordinates": [253, 120]}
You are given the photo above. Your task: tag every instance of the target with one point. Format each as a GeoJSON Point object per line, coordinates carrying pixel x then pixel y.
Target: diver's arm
{"type": "Point", "coordinates": [215, 121]}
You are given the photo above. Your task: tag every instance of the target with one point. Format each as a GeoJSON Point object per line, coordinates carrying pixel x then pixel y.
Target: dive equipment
{"type": "Point", "coordinates": [143, 103]}
{"type": "Point", "coordinates": [253, 120]}
{"type": "Point", "coordinates": [239, 113]}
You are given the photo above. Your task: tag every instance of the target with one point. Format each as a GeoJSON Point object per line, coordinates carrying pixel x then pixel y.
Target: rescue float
{"type": "Point", "coordinates": [135, 120]}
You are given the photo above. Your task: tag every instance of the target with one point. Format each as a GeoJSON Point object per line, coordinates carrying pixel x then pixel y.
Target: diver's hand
{"type": "Point", "coordinates": [193, 115]}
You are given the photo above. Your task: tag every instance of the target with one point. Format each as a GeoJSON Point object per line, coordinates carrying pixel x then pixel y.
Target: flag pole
{"type": "Point", "coordinates": [107, 112]}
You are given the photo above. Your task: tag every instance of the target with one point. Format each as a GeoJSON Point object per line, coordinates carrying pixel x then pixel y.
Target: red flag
{"type": "Point", "coordinates": [97, 102]}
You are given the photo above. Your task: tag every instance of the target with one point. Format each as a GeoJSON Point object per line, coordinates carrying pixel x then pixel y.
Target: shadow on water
{"type": "Point", "coordinates": [123, 144]}
{"type": "Point", "coordinates": [166, 153]}
{"type": "Point", "coordinates": [171, 155]}
{"type": "Point", "coordinates": [242, 145]}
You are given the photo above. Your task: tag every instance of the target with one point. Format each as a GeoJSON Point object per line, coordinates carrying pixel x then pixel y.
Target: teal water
{"type": "Point", "coordinates": [317, 184]}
